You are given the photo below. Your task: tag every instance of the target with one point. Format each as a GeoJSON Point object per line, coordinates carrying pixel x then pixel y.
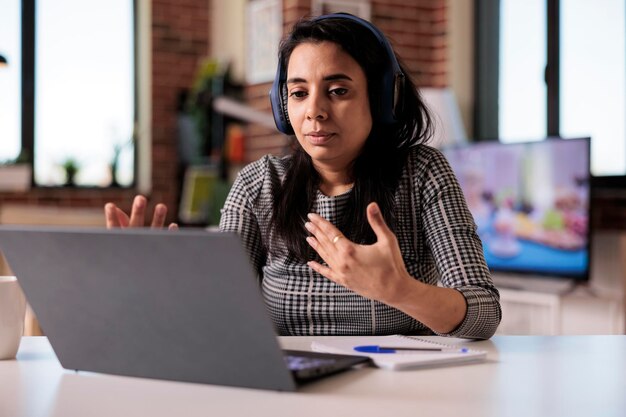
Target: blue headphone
{"type": "Point", "coordinates": [392, 82]}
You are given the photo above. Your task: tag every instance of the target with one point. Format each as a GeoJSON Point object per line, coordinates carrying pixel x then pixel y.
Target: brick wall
{"type": "Point", "coordinates": [417, 30]}
{"type": "Point", "coordinates": [180, 37]}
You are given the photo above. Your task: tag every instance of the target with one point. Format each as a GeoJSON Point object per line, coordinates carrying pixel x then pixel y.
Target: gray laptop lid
{"type": "Point", "coordinates": [182, 305]}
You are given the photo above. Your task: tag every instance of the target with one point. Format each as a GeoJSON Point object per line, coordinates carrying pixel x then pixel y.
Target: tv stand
{"type": "Point", "coordinates": [559, 307]}
{"type": "Point", "coordinates": [540, 306]}
{"type": "Point", "coordinates": [534, 283]}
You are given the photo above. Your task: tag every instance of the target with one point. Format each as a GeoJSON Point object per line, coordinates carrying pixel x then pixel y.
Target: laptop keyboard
{"type": "Point", "coordinates": [299, 363]}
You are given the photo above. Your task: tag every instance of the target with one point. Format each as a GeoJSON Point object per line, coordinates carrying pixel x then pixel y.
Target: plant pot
{"type": "Point", "coordinates": [15, 177]}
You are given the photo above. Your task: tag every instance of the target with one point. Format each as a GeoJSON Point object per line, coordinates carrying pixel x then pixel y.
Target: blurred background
{"type": "Point", "coordinates": [100, 101]}
{"type": "Point", "coordinates": [169, 98]}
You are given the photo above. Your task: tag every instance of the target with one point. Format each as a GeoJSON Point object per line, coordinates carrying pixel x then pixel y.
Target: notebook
{"type": "Point", "coordinates": [183, 306]}
{"type": "Point", "coordinates": [381, 350]}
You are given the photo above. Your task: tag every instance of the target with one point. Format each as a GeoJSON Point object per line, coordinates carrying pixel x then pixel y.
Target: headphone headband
{"type": "Point", "coordinates": [375, 31]}
{"type": "Point", "coordinates": [392, 82]}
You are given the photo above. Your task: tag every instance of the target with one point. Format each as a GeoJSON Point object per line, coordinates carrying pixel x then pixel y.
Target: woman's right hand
{"type": "Point", "coordinates": [115, 217]}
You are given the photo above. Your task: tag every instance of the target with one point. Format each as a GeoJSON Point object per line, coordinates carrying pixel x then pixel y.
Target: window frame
{"type": "Point", "coordinates": [487, 22]}
{"type": "Point", "coordinates": [29, 88]}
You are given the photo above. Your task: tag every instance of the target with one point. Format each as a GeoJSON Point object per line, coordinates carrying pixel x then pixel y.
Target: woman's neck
{"type": "Point", "coordinates": [334, 181]}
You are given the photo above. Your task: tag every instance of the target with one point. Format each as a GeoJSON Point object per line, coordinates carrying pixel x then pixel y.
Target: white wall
{"type": "Point", "coordinates": [228, 34]}
{"type": "Point", "coordinates": [461, 57]}
{"type": "Point", "coordinates": [144, 123]}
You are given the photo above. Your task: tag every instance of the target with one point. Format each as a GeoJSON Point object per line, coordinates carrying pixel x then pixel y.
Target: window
{"type": "Point", "coordinates": [83, 109]}
{"type": "Point", "coordinates": [560, 69]}
{"type": "Point", "coordinates": [522, 88]}
{"type": "Point", "coordinates": [593, 79]}
{"type": "Point", "coordinates": [10, 80]}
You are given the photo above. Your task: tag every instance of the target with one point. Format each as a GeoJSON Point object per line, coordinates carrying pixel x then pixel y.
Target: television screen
{"type": "Point", "coordinates": [530, 202]}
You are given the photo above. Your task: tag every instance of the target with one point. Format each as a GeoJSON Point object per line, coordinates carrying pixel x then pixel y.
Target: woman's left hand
{"type": "Point", "coordinates": [374, 271]}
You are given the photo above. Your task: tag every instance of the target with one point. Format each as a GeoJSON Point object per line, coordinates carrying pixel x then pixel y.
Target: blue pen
{"type": "Point", "coordinates": [394, 349]}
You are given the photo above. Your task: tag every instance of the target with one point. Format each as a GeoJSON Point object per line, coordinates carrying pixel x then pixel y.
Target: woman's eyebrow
{"type": "Point", "coordinates": [331, 77]}
{"type": "Point", "coordinates": [295, 80]}
{"type": "Point", "coordinates": [335, 77]}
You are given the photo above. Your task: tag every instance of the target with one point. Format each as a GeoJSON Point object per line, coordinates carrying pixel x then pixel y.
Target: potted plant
{"type": "Point", "coordinates": [16, 174]}
{"type": "Point", "coordinates": [115, 160]}
{"type": "Point", "coordinates": [71, 167]}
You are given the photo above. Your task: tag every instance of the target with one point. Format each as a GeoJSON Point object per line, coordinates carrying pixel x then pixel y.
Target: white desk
{"type": "Point", "coordinates": [523, 376]}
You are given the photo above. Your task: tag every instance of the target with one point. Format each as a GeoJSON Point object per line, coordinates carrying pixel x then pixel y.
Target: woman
{"type": "Point", "coordinates": [352, 232]}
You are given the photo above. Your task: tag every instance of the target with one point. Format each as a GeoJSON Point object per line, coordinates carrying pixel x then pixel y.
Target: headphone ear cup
{"type": "Point", "coordinates": [278, 100]}
{"type": "Point", "coordinates": [398, 96]}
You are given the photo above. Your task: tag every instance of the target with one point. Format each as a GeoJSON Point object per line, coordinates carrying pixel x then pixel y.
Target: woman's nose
{"type": "Point", "coordinates": [316, 109]}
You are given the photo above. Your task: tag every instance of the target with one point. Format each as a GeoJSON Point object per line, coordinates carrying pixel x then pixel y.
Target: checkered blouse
{"type": "Point", "coordinates": [435, 231]}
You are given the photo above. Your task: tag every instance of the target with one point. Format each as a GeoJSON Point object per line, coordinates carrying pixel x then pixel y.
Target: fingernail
{"type": "Point", "coordinates": [375, 209]}
{"type": "Point", "coordinates": [310, 216]}
{"type": "Point", "coordinates": [139, 202]}
{"type": "Point", "coordinates": [308, 226]}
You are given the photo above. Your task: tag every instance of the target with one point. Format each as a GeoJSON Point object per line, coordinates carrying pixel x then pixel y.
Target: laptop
{"type": "Point", "coordinates": [183, 306]}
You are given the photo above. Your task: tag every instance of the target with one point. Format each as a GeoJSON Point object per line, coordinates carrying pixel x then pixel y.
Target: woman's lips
{"type": "Point", "coordinates": [319, 138]}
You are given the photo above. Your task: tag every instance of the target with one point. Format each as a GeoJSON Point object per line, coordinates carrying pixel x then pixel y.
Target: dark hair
{"type": "Point", "coordinates": [377, 169]}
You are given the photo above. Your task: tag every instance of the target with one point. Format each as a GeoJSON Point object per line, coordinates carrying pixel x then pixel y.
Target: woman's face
{"type": "Point", "coordinates": [327, 103]}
